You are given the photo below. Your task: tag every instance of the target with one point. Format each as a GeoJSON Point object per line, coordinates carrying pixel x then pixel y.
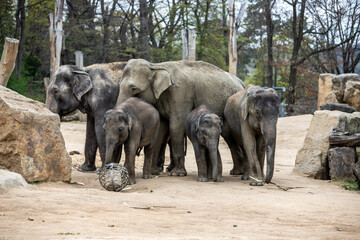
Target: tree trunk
{"type": "Point", "coordinates": [8, 58]}
{"type": "Point", "coordinates": [144, 49]}
{"type": "Point", "coordinates": [185, 49]}
{"type": "Point", "coordinates": [20, 23]}
{"type": "Point", "coordinates": [55, 34]}
{"type": "Point", "coordinates": [270, 30]}
{"type": "Point", "coordinates": [192, 45]}
{"type": "Point", "coordinates": [232, 39]}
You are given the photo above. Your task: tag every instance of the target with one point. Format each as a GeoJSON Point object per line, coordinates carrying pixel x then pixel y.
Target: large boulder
{"type": "Point", "coordinates": [311, 159]}
{"type": "Point", "coordinates": [325, 88]}
{"type": "Point", "coordinates": [352, 94]}
{"type": "Point", "coordinates": [11, 180]}
{"type": "Point", "coordinates": [31, 143]}
{"type": "Point", "coordinates": [332, 88]}
{"type": "Point", "coordinates": [341, 161]}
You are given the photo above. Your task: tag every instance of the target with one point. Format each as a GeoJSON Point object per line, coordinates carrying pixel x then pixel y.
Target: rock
{"type": "Point", "coordinates": [11, 180]}
{"type": "Point", "coordinates": [31, 143]}
{"type": "Point", "coordinates": [341, 160]}
{"type": "Point", "coordinates": [356, 171]}
{"type": "Point", "coordinates": [332, 87]}
{"type": "Point", "coordinates": [325, 87]}
{"type": "Point", "coordinates": [337, 107]}
{"type": "Point", "coordinates": [352, 94]}
{"type": "Point", "coordinates": [311, 159]}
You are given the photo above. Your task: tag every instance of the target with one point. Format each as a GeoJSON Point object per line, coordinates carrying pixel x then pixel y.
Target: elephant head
{"type": "Point", "coordinates": [144, 80]}
{"type": "Point", "coordinates": [208, 129]}
{"type": "Point", "coordinates": [66, 89]}
{"type": "Point", "coordinates": [117, 126]}
{"type": "Point", "coordinates": [260, 108]}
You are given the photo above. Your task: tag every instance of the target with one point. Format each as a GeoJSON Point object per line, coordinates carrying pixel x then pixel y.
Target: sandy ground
{"type": "Point", "coordinates": [181, 207]}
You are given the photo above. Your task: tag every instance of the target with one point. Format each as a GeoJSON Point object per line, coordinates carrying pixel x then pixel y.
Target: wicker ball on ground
{"type": "Point", "coordinates": [113, 177]}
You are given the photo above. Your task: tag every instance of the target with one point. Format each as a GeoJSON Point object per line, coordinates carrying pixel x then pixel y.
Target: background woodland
{"type": "Point", "coordinates": [284, 43]}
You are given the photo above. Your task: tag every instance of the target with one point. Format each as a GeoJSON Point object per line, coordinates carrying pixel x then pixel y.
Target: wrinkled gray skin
{"type": "Point", "coordinates": [203, 127]}
{"type": "Point", "coordinates": [251, 115]}
{"type": "Point", "coordinates": [135, 124]}
{"type": "Point", "coordinates": [92, 91]}
{"type": "Point", "coordinates": [176, 88]}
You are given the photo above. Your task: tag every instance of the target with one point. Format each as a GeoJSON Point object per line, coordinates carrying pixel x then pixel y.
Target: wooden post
{"type": "Point", "coordinates": [8, 59]}
{"type": "Point", "coordinates": [79, 59]}
{"type": "Point", "coordinates": [185, 55]}
{"type": "Point", "coordinates": [55, 33]}
{"type": "Point", "coordinates": [232, 39]}
{"type": "Point", "coordinates": [192, 45]}
{"type": "Point", "coordinates": [233, 27]}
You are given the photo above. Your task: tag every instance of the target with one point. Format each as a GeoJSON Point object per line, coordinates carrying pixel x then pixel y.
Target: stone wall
{"type": "Point", "coordinates": [31, 143]}
{"type": "Point", "coordinates": [312, 158]}
{"type": "Point", "coordinates": [343, 88]}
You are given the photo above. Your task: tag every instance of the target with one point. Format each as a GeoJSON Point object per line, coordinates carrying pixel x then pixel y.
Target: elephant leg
{"type": "Point", "coordinates": [172, 164]}
{"type": "Point", "coordinates": [90, 146]}
{"type": "Point", "coordinates": [260, 151]}
{"type": "Point", "coordinates": [251, 154]}
{"type": "Point", "coordinates": [200, 162]}
{"type": "Point", "coordinates": [219, 163]}
{"type": "Point", "coordinates": [177, 134]}
{"type": "Point", "coordinates": [236, 153]}
{"type": "Point", "coordinates": [158, 160]}
{"type": "Point", "coordinates": [148, 152]}
{"type": "Point", "coordinates": [100, 136]}
{"type": "Point", "coordinates": [130, 153]}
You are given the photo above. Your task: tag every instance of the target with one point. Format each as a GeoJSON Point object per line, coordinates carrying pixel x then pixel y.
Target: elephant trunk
{"type": "Point", "coordinates": [51, 104]}
{"type": "Point", "coordinates": [109, 153]}
{"type": "Point", "coordinates": [213, 154]}
{"type": "Point", "coordinates": [269, 132]}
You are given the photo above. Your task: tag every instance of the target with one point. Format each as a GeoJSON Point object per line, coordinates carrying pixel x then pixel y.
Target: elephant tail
{"type": "Point", "coordinates": [185, 144]}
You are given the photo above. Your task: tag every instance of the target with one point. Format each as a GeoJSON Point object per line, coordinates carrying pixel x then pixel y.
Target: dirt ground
{"type": "Point", "coordinates": [181, 207]}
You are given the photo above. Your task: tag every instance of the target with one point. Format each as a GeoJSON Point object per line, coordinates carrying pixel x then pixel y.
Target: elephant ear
{"type": "Point", "coordinates": [197, 124]}
{"type": "Point", "coordinates": [245, 106]}
{"type": "Point", "coordinates": [130, 122]}
{"type": "Point", "coordinates": [162, 80]}
{"type": "Point", "coordinates": [82, 84]}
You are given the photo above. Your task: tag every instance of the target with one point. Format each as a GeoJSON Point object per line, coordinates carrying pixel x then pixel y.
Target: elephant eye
{"type": "Point", "coordinates": [121, 129]}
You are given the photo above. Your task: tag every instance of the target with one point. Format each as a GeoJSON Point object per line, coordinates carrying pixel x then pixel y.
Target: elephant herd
{"type": "Point", "coordinates": [154, 104]}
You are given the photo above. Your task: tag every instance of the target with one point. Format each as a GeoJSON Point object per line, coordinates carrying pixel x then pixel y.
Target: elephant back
{"type": "Point", "coordinates": [113, 70]}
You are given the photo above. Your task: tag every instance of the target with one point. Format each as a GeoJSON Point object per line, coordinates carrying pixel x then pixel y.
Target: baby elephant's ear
{"type": "Point", "coordinates": [130, 122]}
{"type": "Point", "coordinates": [82, 84]}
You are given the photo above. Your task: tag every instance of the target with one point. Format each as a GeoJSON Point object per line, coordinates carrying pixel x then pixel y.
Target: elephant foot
{"type": "Point", "coordinates": [202, 179]}
{"type": "Point", "coordinates": [131, 181]}
{"type": "Point", "coordinates": [147, 176]}
{"type": "Point", "coordinates": [86, 168]}
{"type": "Point", "coordinates": [256, 184]}
{"type": "Point", "coordinates": [219, 179]}
{"type": "Point", "coordinates": [236, 171]}
{"type": "Point", "coordinates": [245, 176]}
{"type": "Point", "coordinates": [178, 172]}
{"type": "Point", "coordinates": [155, 171]}
{"type": "Point", "coordinates": [170, 167]}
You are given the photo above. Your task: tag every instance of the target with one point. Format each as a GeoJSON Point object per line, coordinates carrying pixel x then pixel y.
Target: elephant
{"type": "Point", "coordinates": [135, 124]}
{"type": "Point", "coordinates": [203, 127]}
{"type": "Point", "coordinates": [251, 115]}
{"type": "Point", "coordinates": [176, 88]}
{"type": "Point", "coordinates": [93, 91]}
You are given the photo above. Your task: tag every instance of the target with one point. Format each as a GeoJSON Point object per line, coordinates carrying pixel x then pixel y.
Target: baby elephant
{"type": "Point", "coordinates": [203, 127]}
{"type": "Point", "coordinates": [252, 115]}
{"type": "Point", "coordinates": [135, 124]}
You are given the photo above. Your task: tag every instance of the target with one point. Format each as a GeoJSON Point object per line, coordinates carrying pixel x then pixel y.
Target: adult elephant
{"type": "Point", "coordinates": [176, 88]}
{"type": "Point", "coordinates": [93, 91]}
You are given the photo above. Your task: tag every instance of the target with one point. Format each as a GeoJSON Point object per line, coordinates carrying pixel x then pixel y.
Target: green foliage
{"type": "Point", "coordinates": [349, 185]}
{"type": "Point", "coordinates": [7, 21]}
